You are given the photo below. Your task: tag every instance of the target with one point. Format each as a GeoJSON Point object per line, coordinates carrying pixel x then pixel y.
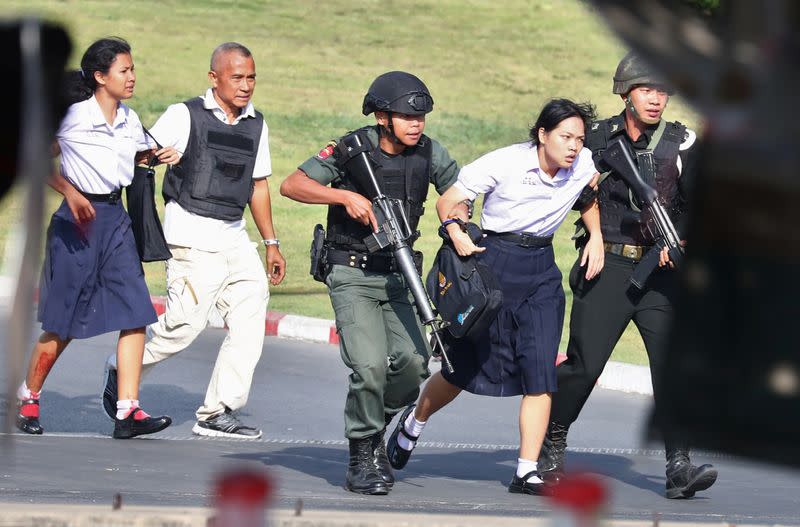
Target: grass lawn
{"type": "Point", "coordinates": [489, 65]}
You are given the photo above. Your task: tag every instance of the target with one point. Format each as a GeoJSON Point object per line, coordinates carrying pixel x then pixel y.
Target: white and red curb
{"type": "Point", "coordinates": [618, 376]}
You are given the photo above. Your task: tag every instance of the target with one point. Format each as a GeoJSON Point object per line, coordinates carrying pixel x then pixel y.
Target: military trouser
{"type": "Point", "coordinates": [601, 310]}
{"type": "Point", "coordinates": [382, 341]}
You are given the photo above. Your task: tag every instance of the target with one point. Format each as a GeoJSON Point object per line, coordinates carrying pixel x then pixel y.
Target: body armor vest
{"type": "Point", "coordinates": [215, 175]}
{"type": "Point", "coordinates": [620, 218]}
{"type": "Point", "coordinates": [405, 176]}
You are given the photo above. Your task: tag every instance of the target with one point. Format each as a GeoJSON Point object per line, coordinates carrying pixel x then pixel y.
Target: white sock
{"type": "Point", "coordinates": [25, 393]}
{"type": "Point", "coordinates": [414, 428]}
{"type": "Point", "coordinates": [525, 466]}
{"type": "Point", "coordinates": [124, 407]}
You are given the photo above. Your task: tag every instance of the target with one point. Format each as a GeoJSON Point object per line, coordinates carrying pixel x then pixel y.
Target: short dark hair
{"type": "Point", "coordinates": [226, 47]}
{"type": "Point", "coordinates": [80, 85]}
{"type": "Point", "coordinates": [556, 110]}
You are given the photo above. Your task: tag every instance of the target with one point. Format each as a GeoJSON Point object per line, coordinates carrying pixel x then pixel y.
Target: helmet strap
{"type": "Point", "coordinates": [389, 129]}
{"type": "Point", "coordinates": [629, 105]}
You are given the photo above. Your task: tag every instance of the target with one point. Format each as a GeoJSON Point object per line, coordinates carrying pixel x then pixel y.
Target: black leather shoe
{"type": "Point", "coordinates": [30, 423]}
{"type": "Point", "coordinates": [362, 474]}
{"type": "Point", "coordinates": [380, 458]}
{"type": "Point", "coordinates": [130, 427]}
{"type": "Point", "coordinates": [110, 391]}
{"type": "Point", "coordinates": [685, 479]}
{"type": "Point", "coordinates": [551, 457]}
{"type": "Point", "coordinates": [398, 457]}
{"type": "Point", "coordinates": [522, 485]}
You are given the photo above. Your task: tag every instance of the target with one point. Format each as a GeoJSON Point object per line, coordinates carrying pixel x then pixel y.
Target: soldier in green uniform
{"type": "Point", "coordinates": [603, 308]}
{"type": "Point", "coordinates": [381, 338]}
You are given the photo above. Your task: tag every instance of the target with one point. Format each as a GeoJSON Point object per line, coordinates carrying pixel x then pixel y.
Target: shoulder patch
{"type": "Point", "coordinates": [689, 138]}
{"type": "Point", "coordinates": [595, 126]}
{"type": "Point", "coordinates": [326, 152]}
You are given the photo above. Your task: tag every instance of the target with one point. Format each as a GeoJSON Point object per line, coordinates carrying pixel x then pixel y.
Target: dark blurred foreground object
{"type": "Point", "coordinates": [32, 62]}
{"type": "Point", "coordinates": [53, 48]}
{"type": "Point", "coordinates": [732, 374]}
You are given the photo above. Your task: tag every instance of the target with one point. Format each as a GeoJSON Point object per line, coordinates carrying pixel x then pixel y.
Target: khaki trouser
{"type": "Point", "coordinates": [233, 282]}
{"type": "Point", "coordinates": [382, 341]}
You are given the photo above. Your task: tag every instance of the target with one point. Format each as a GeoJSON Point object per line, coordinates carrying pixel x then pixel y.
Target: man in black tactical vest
{"type": "Point", "coordinates": [381, 338]}
{"type": "Point", "coordinates": [223, 167]}
{"type": "Point", "coordinates": [602, 308]}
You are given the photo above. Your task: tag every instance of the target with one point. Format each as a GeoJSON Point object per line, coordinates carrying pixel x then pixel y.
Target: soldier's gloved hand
{"type": "Point", "coordinates": [359, 208]}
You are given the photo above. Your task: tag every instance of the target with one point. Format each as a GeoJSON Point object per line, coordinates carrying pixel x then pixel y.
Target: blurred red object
{"type": "Point", "coordinates": [242, 496]}
{"type": "Point", "coordinates": [582, 494]}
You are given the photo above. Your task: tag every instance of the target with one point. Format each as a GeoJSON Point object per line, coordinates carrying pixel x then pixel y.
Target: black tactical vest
{"type": "Point", "coordinates": [215, 175]}
{"type": "Point", "coordinates": [405, 176]}
{"type": "Point", "coordinates": [620, 219]}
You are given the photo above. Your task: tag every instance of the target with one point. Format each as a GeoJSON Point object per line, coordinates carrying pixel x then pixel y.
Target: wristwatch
{"type": "Point", "coordinates": [274, 241]}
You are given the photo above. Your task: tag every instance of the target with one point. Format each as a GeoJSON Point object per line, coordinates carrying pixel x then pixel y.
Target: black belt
{"type": "Point", "coordinates": [523, 239]}
{"type": "Point", "coordinates": [377, 262]}
{"type": "Point", "coordinates": [111, 197]}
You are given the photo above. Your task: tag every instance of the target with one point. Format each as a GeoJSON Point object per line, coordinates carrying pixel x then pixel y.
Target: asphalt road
{"type": "Point", "coordinates": [463, 465]}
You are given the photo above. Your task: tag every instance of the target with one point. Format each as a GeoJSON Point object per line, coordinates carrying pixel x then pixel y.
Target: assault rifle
{"type": "Point", "coordinates": [393, 231]}
{"type": "Point", "coordinates": [618, 157]}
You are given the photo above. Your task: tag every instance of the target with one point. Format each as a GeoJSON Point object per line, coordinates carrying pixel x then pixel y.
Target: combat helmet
{"type": "Point", "coordinates": [400, 92]}
{"type": "Point", "coordinates": [632, 71]}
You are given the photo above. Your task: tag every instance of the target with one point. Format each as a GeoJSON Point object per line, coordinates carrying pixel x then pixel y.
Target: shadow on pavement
{"type": "Point", "coordinates": [330, 464]}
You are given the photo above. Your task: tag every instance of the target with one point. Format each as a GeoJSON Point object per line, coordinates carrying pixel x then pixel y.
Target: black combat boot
{"type": "Point", "coordinates": [551, 458]}
{"type": "Point", "coordinates": [362, 474]}
{"type": "Point", "coordinates": [683, 478]}
{"type": "Point", "coordinates": [380, 458]}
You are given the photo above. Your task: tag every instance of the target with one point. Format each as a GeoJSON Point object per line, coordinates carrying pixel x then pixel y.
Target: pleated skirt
{"type": "Point", "coordinates": [92, 281]}
{"type": "Point", "coordinates": [517, 354]}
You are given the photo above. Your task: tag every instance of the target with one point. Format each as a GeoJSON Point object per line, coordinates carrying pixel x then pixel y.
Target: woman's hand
{"type": "Point", "coordinates": [593, 256]}
{"type": "Point", "coordinates": [80, 207]}
{"type": "Point", "coordinates": [462, 242]}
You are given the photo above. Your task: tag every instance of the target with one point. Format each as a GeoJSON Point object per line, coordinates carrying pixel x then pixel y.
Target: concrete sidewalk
{"type": "Point", "coordinates": [103, 516]}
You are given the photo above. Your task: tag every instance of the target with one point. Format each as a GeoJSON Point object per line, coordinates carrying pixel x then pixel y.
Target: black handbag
{"type": "Point", "coordinates": [464, 291]}
{"type": "Point", "coordinates": [146, 226]}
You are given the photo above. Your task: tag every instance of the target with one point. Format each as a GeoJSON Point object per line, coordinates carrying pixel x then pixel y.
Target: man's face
{"type": "Point", "coordinates": [407, 128]}
{"type": "Point", "coordinates": [234, 78]}
{"type": "Point", "coordinates": [647, 102]}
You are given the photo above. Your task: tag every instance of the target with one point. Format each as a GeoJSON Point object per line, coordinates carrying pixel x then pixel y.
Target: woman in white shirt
{"type": "Point", "coordinates": [92, 280]}
{"type": "Point", "coordinates": [529, 188]}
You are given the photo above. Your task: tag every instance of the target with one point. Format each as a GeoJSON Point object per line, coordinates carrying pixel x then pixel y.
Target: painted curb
{"type": "Point", "coordinates": [617, 376]}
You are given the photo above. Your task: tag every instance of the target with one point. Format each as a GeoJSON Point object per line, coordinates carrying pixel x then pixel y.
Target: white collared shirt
{"type": "Point", "coordinates": [519, 195]}
{"type": "Point", "coordinates": [185, 228]}
{"type": "Point", "coordinates": [97, 157]}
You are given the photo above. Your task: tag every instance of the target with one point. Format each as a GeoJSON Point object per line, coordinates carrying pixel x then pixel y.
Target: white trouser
{"type": "Point", "coordinates": [235, 283]}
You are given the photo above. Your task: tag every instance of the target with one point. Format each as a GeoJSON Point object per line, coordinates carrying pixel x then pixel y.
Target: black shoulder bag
{"type": "Point", "coordinates": [464, 291]}
{"type": "Point", "coordinates": [146, 226]}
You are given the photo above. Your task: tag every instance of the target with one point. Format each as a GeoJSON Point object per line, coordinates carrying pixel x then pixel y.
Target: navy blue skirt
{"type": "Point", "coordinates": [92, 280]}
{"type": "Point", "coordinates": [517, 355]}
